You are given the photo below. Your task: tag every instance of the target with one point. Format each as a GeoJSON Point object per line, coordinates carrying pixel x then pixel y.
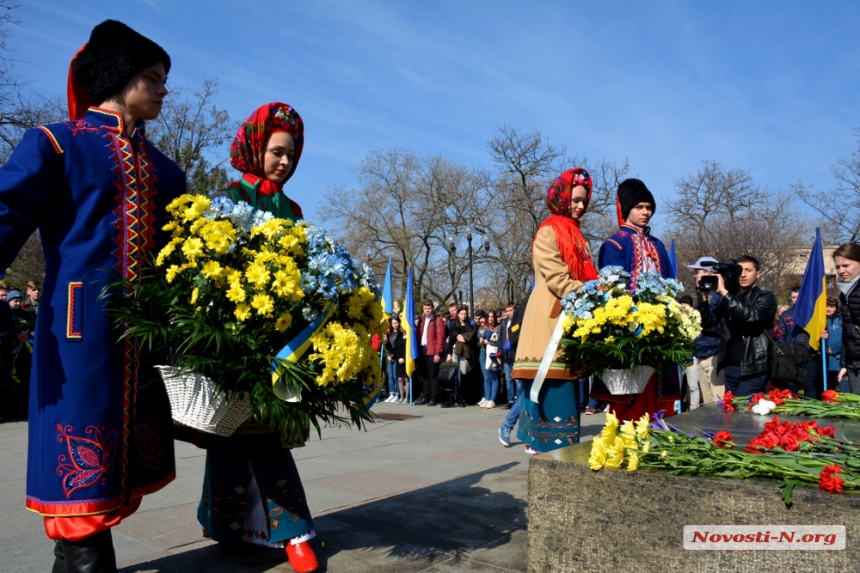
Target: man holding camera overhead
{"type": "Point", "coordinates": [745, 317]}
{"type": "Point", "coordinates": [707, 345]}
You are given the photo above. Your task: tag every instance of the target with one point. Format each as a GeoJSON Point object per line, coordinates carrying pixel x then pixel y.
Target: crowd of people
{"type": "Point", "coordinates": [17, 324]}
{"type": "Point", "coordinates": [470, 363]}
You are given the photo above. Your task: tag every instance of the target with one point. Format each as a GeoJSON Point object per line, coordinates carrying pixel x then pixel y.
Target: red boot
{"type": "Point", "coordinates": [302, 557]}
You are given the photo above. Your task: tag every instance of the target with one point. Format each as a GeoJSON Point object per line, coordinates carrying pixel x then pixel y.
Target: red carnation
{"type": "Point", "coordinates": [829, 396]}
{"type": "Point", "coordinates": [723, 439]}
{"type": "Point", "coordinates": [756, 397]}
{"type": "Point", "coordinates": [778, 396]}
{"type": "Point", "coordinates": [827, 431]}
{"type": "Point", "coordinates": [727, 401]}
{"type": "Point", "coordinates": [828, 480]}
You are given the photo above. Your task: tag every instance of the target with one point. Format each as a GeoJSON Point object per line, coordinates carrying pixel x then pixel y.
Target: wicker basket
{"type": "Point", "coordinates": [627, 381]}
{"type": "Point", "coordinates": [195, 402]}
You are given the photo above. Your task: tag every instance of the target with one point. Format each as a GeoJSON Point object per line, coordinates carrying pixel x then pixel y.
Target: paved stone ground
{"type": "Point", "coordinates": [432, 492]}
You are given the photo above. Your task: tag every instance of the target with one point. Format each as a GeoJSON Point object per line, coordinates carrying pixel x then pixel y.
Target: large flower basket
{"type": "Point", "coordinates": [627, 381]}
{"type": "Point", "coordinates": [196, 402]}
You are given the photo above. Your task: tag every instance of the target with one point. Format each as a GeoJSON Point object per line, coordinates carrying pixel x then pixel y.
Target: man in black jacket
{"type": "Point", "coordinates": [746, 320]}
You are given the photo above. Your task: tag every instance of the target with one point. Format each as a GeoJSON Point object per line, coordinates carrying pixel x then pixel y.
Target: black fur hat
{"type": "Point", "coordinates": [114, 55]}
{"type": "Point", "coordinates": [631, 192]}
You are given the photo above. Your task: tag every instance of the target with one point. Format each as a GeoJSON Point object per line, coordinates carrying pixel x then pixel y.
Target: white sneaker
{"type": "Point", "coordinates": [531, 451]}
{"type": "Point", "coordinates": [482, 402]}
{"type": "Point", "coordinates": [490, 404]}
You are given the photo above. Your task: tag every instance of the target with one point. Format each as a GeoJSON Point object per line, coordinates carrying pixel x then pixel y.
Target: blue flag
{"type": "Point", "coordinates": [387, 298]}
{"type": "Point", "coordinates": [810, 310]}
{"type": "Point", "coordinates": [673, 260]}
{"type": "Point", "coordinates": [408, 324]}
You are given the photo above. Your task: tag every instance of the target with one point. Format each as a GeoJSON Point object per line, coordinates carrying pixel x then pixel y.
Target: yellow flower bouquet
{"type": "Point", "coordinates": [609, 328]}
{"type": "Point", "coordinates": [274, 312]}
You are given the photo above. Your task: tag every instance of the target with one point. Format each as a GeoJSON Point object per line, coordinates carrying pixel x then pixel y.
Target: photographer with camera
{"type": "Point", "coordinates": [745, 317]}
{"type": "Point", "coordinates": [707, 345]}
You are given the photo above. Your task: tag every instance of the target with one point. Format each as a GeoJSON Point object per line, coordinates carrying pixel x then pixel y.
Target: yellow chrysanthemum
{"type": "Point", "coordinates": [643, 427]}
{"type": "Point", "coordinates": [213, 270]}
{"type": "Point", "coordinates": [615, 453]}
{"type": "Point", "coordinates": [597, 458]}
{"type": "Point", "coordinates": [197, 206]}
{"type": "Point", "coordinates": [287, 282]}
{"type": "Point", "coordinates": [218, 235]}
{"type": "Point", "coordinates": [192, 248]}
{"type": "Point", "coordinates": [344, 352]}
{"type": "Point", "coordinates": [610, 429]}
{"type": "Point", "coordinates": [284, 321]}
{"type": "Point", "coordinates": [628, 435]}
{"type": "Point", "coordinates": [236, 293]}
{"type": "Point", "coordinates": [242, 312]}
{"type": "Point", "coordinates": [270, 229]}
{"type": "Point", "coordinates": [264, 304]}
{"type": "Point", "coordinates": [167, 250]}
{"type": "Point", "coordinates": [632, 460]}
{"type": "Point", "coordinates": [257, 274]}
{"type": "Point", "coordinates": [194, 294]}
{"type": "Point", "coordinates": [174, 270]}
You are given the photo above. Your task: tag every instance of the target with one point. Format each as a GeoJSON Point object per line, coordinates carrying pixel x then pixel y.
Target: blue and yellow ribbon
{"type": "Point", "coordinates": [293, 352]}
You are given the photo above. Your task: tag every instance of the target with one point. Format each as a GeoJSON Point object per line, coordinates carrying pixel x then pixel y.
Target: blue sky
{"type": "Point", "coordinates": [769, 87]}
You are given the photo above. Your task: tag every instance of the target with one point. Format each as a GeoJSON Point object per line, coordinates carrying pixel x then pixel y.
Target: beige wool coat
{"type": "Point", "coordinates": [552, 283]}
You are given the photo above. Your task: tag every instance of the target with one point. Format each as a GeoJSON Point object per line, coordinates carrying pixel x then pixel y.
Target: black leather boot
{"type": "Point", "coordinates": [59, 558]}
{"type": "Point", "coordinates": [93, 554]}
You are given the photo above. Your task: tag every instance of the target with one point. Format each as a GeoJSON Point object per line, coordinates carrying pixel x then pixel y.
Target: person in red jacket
{"type": "Point", "coordinates": [431, 339]}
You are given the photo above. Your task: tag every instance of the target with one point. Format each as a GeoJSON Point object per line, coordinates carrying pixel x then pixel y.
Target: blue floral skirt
{"type": "Point", "coordinates": [554, 422]}
{"type": "Point", "coordinates": [235, 480]}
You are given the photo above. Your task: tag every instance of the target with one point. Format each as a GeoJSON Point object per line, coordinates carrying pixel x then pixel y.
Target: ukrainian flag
{"type": "Point", "coordinates": [408, 323]}
{"type": "Point", "coordinates": [810, 310]}
{"type": "Point", "coordinates": [387, 298]}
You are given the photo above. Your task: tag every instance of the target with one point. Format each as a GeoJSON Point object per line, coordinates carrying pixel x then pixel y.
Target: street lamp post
{"type": "Point", "coordinates": [452, 247]}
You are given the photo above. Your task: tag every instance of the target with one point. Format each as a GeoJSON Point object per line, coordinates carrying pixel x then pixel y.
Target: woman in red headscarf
{"type": "Point", "coordinates": [562, 264]}
{"type": "Point", "coordinates": [266, 150]}
{"type": "Point", "coordinates": [252, 490]}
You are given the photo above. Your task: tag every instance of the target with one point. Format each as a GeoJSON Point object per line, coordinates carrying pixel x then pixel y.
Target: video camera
{"type": "Point", "coordinates": [730, 271]}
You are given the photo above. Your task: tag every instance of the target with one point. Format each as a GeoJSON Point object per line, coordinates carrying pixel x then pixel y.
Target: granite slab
{"type": "Point", "coordinates": [614, 520]}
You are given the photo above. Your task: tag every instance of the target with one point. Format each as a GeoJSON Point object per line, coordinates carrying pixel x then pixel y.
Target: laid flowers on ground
{"type": "Point", "coordinates": [832, 404]}
{"type": "Point", "coordinates": [233, 286]}
{"type": "Point", "coordinates": [608, 327]}
{"type": "Point", "coordinates": [797, 453]}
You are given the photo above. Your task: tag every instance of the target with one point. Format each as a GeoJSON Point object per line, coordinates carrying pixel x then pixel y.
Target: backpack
{"type": "Point", "coordinates": [517, 323]}
{"type": "Point", "coordinates": [784, 361]}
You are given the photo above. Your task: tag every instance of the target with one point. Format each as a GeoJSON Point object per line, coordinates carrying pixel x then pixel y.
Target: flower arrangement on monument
{"type": "Point", "coordinates": [797, 453]}
{"type": "Point", "coordinates": [276, 314]}
{"type": "Point", "coordinates": [833, 404]}
{"type": "Point", "coordinates": [613, 330]}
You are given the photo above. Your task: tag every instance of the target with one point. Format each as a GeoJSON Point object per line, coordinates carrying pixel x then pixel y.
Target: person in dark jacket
{"type": "Point", "coordinates": [746, 321]}
{"type": "Point", "coordinates": [832, 335]}
{"type": "Point", "coordinates": [847, 259]}
{"type": "Point", "coordinates": [463, 351]}
{"type": "Point", "coordinates": [512, 387]}
{"type": "Point", "coordinates": [787, 331]}
{"type": "Point", "coordinates": [395, 356]}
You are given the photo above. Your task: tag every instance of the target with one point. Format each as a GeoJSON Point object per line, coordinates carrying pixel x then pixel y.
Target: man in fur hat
{"type": "Point", "coordinates": [100, 434]}
{"type": "Point", "coordinates": [633, 248]}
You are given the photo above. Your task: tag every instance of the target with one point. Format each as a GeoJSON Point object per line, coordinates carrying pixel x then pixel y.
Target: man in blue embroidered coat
{"type": "Point", "coordinates": [637, 251]}
{"type": "Point", "coordinates": [100, 426]}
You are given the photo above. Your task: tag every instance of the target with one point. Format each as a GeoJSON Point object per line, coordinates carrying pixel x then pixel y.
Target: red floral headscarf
{"type": "Point", "coordinates": [572, 246]}
{"type": "Point", "coordinates": [249, 146]}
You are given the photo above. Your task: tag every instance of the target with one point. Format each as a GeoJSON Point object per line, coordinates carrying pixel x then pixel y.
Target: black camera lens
{"type": "Point", "coordinates": [708, 283]}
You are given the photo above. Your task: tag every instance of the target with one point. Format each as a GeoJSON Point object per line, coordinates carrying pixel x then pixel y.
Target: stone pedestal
{"type": "Point", "coordinates": [614, 520]}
